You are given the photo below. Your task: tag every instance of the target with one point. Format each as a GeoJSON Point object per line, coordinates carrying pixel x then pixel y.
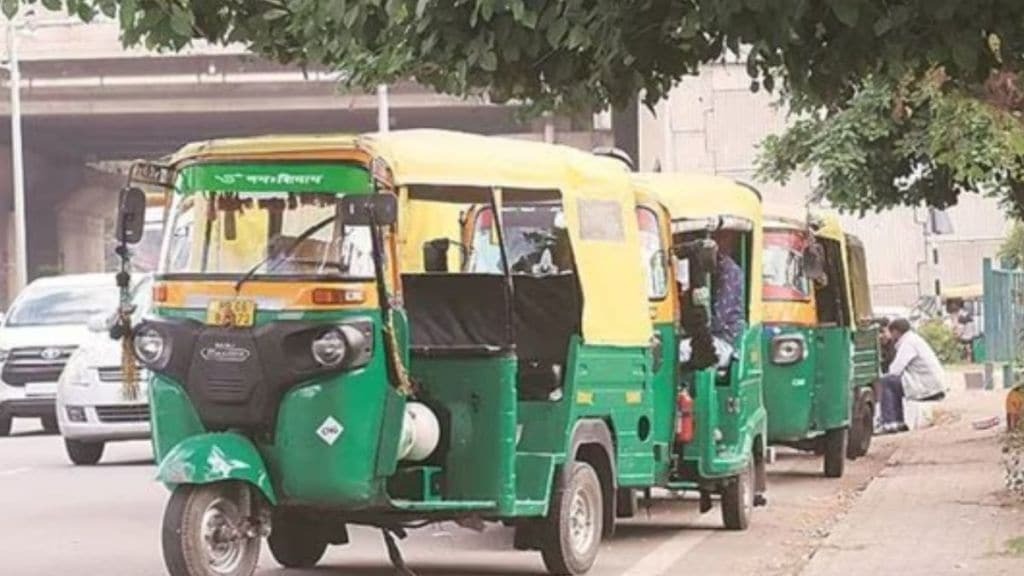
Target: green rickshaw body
{"type": "Point", "coordinates": [335, 439]}
{"type": "Point", "coordinates": [728, 417]}
{"type": "Point", "coordinates": [821, 358]}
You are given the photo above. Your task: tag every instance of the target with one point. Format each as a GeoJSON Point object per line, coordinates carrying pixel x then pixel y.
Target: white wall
{"type": "Point", "coordinates": [712, 123]}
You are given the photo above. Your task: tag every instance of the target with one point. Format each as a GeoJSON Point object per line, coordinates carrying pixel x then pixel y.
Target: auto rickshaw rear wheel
{"type": "Point", "coordinates": [835, 442]}
{"type": "Point", "coordinates": [738, 499]}
{"type": "Point", "coordinates": [861, 428]}
{"type": "Point", "coordinates": [204, 532]}
{"type": "Point", "coordinates": [295, 545]}
{"type": "Point", "coordinates": [575, 520]}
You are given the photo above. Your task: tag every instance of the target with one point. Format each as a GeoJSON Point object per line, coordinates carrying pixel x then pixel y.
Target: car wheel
{"type": "Point", "coordinates": [5, 426]}
{"type": "Point", "coordinates": [83, 453]}
{"type": "Point", "coordinates": [50, 425]}
{"type": "Point", "coordinates": [575, 522]}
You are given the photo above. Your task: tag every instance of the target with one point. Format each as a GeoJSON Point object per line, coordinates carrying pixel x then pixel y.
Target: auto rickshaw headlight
{"type": "Point", "coordinates": [149, 346]}
{"type": "Point", "coordinates": [788, 349]}
{"type": "Point", "coordinates": [330, 348]}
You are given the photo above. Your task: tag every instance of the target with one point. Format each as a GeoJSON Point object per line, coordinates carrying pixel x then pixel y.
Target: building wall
{"type": "Point", "coordinates": [712, 123]}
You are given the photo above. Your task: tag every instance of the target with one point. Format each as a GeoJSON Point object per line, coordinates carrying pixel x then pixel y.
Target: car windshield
{"type": "Point", "coordinates": [62, 305]}
{"type": "Point", "coordinates": [784, 275]}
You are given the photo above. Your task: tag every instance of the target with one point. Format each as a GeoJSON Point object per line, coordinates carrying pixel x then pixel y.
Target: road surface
{"type": "Point", "coordinates": [57, 519]}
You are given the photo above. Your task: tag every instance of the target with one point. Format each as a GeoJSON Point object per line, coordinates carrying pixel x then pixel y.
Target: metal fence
{"type": "Point", "coordinates": [1004, 312]}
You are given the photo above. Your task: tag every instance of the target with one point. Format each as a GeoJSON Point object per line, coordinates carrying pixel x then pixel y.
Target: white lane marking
{"type": "Point", "coordinates": [14, 471]}
{"type": "Point", "coordinates": [662, 558]}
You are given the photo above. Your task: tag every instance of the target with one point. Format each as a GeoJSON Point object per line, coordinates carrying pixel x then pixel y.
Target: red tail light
{"type": "Point", "coordinates": [684, 417]}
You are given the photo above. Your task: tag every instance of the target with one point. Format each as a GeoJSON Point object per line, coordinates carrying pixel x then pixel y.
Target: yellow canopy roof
{"type": "Point", "coordinates": [269, 145]}
{"type": "Point", "coordinates": [964, 291]}
{"type": "Point", "coordinates": [687, 196]}
{"type": "Point", "coordinates": [792, 216]}
{"type": "Point", "coordinates": [596, 196]}
{"type": "Point", "coordinates": [695, 196]}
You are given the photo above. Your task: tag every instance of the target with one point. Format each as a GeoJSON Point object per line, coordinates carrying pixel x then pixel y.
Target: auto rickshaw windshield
{"type": "Point", "coordinates": [283, 223]}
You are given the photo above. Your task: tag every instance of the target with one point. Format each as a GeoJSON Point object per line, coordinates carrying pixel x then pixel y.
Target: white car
{"type": "Point", "coordinates": [43, 327]}
{"type": "Point", "coordinates": [92, 405]}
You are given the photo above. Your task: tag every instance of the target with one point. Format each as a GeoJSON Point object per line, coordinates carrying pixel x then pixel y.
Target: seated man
{"type": "Point", "coordinates": [915, 374]}
{"type": "Point", "coordinates": [727, 317]}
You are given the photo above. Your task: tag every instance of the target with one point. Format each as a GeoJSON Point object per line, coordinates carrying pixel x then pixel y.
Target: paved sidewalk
{"type": "Point", "coordinates": [939, 507]}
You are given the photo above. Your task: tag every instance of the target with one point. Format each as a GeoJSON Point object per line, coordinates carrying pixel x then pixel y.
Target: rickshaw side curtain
{"type": "Point", "coordinates": [607, 254]}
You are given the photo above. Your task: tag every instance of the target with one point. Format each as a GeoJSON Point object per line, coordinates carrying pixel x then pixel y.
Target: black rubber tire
{"type": "Point", "coordinates": [50, 425]}
{"type": "Point", "coordinates": [862, 428]}
{"type": "Point", "coordinates": [5, 426]}
{"type": "Point", "coordinates": [626, 502]}
{"type": "Point", "coordinates": [738, 499]}
{"type": "Point", "coordinates": [556, 548]}
{"type": "Point", "coordinates": [181, 535]}
{"type": "Point", "coordinates": [84, 453]}
{"type": "Point", "coordinates": [295, 546]}
{"type": "Point", "coordinates": [835, 442]}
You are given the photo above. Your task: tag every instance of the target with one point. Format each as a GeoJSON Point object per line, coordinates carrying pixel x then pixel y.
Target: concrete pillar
{"type": "Point", "coordinates": [49, 180]}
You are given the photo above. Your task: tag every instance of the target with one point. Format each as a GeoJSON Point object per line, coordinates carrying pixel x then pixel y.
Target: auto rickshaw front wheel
{"type": "Point", "coordinates": [574, 524]}
{"type": "Point", "coordinates": [738, 499]}
{"type": "Point", "coordinates": [835, 443]}
{"type": "Point", "coordinates": [204, 532]}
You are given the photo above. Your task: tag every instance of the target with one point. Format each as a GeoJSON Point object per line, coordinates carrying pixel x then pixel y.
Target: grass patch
{"type": "Point", "coordinates": [1015, 547]}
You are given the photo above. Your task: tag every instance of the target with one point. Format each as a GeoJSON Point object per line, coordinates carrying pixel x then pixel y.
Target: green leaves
{"type": "Point", "coordinates": [894, 100]}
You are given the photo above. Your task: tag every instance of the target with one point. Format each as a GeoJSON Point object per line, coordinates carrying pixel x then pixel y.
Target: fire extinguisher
{"type": "Point", "coordinates": [684, 417]}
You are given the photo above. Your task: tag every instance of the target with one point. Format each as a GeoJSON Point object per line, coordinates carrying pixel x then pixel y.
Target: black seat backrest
{"type": "Point", "coordinates": [547, 313]}
{"type": "Point", "coordinates": [457, 311]}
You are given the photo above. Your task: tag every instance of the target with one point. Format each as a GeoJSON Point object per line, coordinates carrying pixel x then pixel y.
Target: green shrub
{"type": "Point", "coordinates": [943, 340]}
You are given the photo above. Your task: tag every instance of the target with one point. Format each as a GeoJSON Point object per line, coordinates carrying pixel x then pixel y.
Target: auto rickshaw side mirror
{"type": "Point", "coordinates": [435, 255]}
{"type": "Point", "coordinates": [366, 209]}
{"type": "Point", "coordinates": [131, 215]}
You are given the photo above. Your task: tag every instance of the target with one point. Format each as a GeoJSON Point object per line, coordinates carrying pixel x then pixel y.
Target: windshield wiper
{"type": "Point", "coordinates": [284, 253]}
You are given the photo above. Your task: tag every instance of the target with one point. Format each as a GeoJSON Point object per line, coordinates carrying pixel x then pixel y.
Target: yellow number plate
{"type": "Point", "coordinates": [237, 313]}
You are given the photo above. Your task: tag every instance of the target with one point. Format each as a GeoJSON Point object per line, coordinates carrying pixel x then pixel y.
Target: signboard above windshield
{"type": "Point", "coordinates": [274, 177]}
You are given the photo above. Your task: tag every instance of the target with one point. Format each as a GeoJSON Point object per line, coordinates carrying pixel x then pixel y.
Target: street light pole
{"type": "Point", "coordinates": [383, 109]}
{"type": "Point", "coordinates": [17, 160]}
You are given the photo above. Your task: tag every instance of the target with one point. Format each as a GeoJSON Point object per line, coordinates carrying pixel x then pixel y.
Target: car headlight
{"type": "Point", "coordinates": [329, 350]}
{"type": "Point", "coordinates": [788, 349]}
{"type": "Point", "coordinates": [149, 346]}
{"type": "Point", "coordinates": [75, 372]}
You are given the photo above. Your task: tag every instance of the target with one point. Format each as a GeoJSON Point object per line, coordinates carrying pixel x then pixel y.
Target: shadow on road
{"type": "Point", "coordinates": [366, 569]}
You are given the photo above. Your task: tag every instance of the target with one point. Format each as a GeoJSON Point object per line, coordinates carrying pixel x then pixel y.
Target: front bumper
{"type": "Point", "coordinates": [103, 414]}
{"type": "Point", "coordinates": [16, 402]}
{"type": "Point", "coordinates": [27, 408]}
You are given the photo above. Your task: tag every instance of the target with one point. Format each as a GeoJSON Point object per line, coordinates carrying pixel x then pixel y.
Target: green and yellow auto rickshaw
{"type": "Point", "coordinates": [714, 420]}
{"type": "Point", "coordinates": [319, 358]}
{"type": "Point", "coordinates": [822, 353]}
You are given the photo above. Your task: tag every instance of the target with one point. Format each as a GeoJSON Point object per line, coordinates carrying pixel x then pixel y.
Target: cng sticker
{"type": "Point", "coordinates": [583, 397]}
{"type": "Point", "coordinates": [330, 431]}
{"type": "Point", "coordinates": [634, 397]}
